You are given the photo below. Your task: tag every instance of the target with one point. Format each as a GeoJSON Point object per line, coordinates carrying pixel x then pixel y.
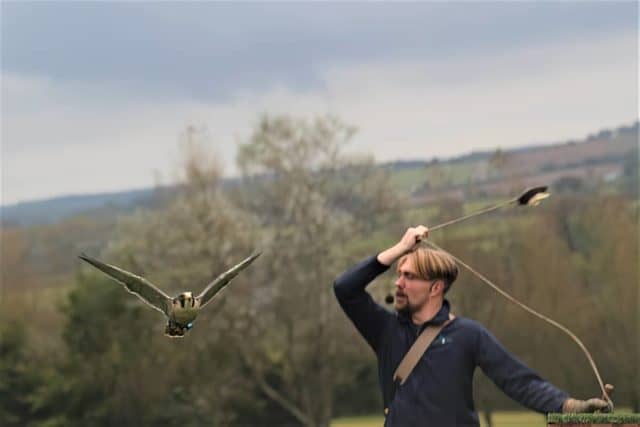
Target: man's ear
{"type": "Point", "coordinates": [436, 287]}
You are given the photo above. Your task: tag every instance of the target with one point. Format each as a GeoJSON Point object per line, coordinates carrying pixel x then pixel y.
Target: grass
{"type": "Point", "coordinates": [500, 419]}
{"type": "Point", "coordinates": [408, 180]}
{"type": "Point", "coordinates": [619, 418]}
{"type": "Point", "coordinates": [366, 421]}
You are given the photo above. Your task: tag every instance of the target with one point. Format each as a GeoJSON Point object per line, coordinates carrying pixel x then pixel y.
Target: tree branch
{"type": "Point", "coordinates": [273, 394]}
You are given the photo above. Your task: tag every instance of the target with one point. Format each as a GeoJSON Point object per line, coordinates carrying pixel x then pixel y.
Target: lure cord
{"type": "Point", "coordinates": [471, 215]}
{"type": "Point", "coordinates": [605, 395]}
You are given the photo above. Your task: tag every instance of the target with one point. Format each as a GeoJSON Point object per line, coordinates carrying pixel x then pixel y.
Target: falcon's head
{"type": "Point", "coordinates": [184, 300]}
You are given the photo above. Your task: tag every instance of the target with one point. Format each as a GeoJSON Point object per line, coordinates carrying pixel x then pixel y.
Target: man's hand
{"type": "Point", "coordinates": [409, 242]}
{"type": "Point", "coordinates": [591, 405]}
{"type": "Point", "coordinates": [412, 237]}
{"type": "Point", "coordinates": [582, 406]}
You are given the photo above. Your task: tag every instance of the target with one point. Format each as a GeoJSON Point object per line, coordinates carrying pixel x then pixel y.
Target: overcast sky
{"type": "Point", "coordinates": [95, 95]}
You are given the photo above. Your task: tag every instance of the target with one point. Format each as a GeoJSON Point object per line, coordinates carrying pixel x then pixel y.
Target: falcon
{"type": "Point", "coordinates": [181, 310]}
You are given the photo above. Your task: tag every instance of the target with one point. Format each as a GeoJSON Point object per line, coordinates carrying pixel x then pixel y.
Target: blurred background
{"type": "Point", "coordinates": [174, 139]}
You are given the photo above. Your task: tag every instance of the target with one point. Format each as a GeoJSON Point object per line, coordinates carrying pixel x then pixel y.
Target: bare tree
{"type": "Point", "coordinates": [314, 204]}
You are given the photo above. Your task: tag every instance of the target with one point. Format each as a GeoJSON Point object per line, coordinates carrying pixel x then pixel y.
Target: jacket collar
{"type": "Point", "coordinates": [441, 316]}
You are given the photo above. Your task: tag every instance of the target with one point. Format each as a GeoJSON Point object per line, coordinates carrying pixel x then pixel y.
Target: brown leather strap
{"type": "Point", "coordinates": [417, 350]}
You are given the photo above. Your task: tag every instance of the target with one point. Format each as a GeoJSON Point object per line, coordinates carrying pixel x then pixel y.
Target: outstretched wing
{"type": "Point", "coordinates": [222, 280]}
{"type": "Point", "coordinates": [134, 284]}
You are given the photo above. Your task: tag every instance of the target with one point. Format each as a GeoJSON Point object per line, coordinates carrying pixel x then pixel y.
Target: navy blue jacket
{"type": "Point", "coordinates": [439, 390]}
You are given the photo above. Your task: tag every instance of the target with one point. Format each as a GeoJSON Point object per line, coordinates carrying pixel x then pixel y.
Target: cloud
{"type": "Point", "coordinates": [208, 49]}
{"type": "Point", "coordinates": [65, 137]}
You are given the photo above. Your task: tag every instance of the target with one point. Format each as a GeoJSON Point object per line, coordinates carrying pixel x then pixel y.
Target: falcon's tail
{"type": "Point", "coordinates": [175, 330]}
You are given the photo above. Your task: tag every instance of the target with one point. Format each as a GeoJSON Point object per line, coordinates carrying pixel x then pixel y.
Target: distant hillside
{"type": "Point", "coordinates": [602, 156]}
{"type": "Point", "coordinates": [53, 210]}
{"type": "Point", "coordinates": [607, 157]}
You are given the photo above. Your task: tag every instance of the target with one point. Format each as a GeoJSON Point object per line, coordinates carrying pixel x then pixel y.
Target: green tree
{"type": "Point", "coordinates": [607, 233]}
{"type": "Point", "coordinates": [19, 379]}
{"type": "Point", "coordinates": [183, 245]}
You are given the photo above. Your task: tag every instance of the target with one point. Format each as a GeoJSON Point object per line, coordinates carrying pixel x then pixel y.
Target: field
{"type": "Point", "coordinates": [501, 419]}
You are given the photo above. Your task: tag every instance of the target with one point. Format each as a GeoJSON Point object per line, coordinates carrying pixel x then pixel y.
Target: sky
{"type": "Point", "coordinates": [95, 95]}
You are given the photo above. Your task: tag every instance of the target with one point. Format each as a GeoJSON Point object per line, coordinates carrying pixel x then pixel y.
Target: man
{"type": "Point", "coordinates": [438, 392]}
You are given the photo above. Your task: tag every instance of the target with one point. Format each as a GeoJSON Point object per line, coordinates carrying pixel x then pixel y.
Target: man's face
{"type": "Point", "coordinates": [412, 292]}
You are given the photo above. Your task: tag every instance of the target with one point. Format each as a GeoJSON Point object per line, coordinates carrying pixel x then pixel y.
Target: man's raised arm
{"type": "Point", "coordinates": [368, 316]}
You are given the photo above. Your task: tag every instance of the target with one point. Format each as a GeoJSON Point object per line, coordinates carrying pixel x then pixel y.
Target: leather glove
{"type": "Point", "coordinates": [580, 406]}
{"type": "Point", "coordinates": [591, 405]}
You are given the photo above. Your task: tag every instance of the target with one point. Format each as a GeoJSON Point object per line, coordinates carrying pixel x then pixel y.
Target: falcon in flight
{"type": "Point", "coordinates": [181, 310]}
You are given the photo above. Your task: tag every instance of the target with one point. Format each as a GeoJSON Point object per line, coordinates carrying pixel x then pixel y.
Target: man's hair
{"type": "Point", "coordinates": [432, 264]}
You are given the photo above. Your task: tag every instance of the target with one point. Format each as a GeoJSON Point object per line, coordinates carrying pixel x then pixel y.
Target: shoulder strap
{"type": "Point", "coordinates": [417, 350]}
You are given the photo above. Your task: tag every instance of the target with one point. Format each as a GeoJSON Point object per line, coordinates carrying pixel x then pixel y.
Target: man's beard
{"type": "Point", "coordinates": [406, 310]}
{"type": "Point", "coordinates": [409, 309]}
